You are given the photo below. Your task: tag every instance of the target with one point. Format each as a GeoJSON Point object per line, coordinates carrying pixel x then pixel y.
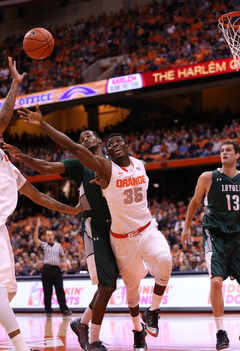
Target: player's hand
{"type": "Point", "coordinates": [12, 150]}
{"type": "Point", "coordinates": [18, 78]}
{"type": "Point", "coordinates": [78, 207]}
{"type": "Point", "coordinates": [186, 236]}
{"type": "Point", "coordinates": [31, 117]}
{"type": "Point", "coordinates": [95, 180]}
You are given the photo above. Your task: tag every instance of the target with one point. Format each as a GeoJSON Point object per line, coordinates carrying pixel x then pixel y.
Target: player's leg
{"type": "Point", "coordinates": [80, 325]}
{"type": "Point", "coordinates": [127, 251]}
{"type": "Point", "coordinates": [98, 312]}
{"type": "Point", "coordinates": [214, 254]}
{"type": "Point", "coordinates": [156, 254]}
{"type": "Point", "coordinates": [139, 331]}
{"type": "Point", "coordinates": [8, 288]}
{"type": "Point", "coordinates": [103, 272]}
{"type": "Point", "coordinates": [9, 322]}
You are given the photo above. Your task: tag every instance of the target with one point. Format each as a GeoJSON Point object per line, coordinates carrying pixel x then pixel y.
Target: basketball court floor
{"type": "Point", "coordinates": [178, 331]}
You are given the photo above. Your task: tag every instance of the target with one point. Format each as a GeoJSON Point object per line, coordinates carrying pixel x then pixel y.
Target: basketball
{"type": "Point", "coordinates": [38, 43]}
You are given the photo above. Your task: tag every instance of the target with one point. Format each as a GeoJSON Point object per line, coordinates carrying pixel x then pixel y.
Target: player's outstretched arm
{"type": "Point", "coordinates": [90, 161]}
{"type": "Point", "coordinates": [44, 200]}
{"type": "Point", "coordinates": [202, 187]}
{"type": "Point", "coordinates": [8, 105]}
{"type": "Point", "coordinates": [37, 164]}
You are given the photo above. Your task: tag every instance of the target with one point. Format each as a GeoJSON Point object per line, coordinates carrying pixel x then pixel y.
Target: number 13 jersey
{"type": "Point", "coordinates": [126, 196]}
{"type": "Point", "coordinates": [222, 203]}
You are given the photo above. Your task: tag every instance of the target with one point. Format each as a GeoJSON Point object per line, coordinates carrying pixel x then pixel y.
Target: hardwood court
{"type": "Point", "coordinates": [180, 331]}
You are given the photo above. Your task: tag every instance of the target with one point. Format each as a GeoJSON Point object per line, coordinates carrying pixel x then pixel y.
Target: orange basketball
{"type": "Point", "coordinates": [38, 43]}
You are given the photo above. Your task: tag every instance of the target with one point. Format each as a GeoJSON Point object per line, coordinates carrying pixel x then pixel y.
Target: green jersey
{"type": "Point", "coordinates": [96, 224]}
{"type": "Point", "coordinates": [222, 204]}
{"type": "Point", "coordinates": [93, 202]}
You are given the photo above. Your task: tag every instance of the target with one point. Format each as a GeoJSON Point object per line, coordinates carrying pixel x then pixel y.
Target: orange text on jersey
{"type": "Point", "coordinates": [124, 183]}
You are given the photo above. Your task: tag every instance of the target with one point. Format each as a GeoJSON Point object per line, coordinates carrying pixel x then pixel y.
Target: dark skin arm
{"type": "Point", "coordinates": [100, 165]}
{"type": "Point", "coordinates": [8, 105]}
{"type": "Point", "coordinates": [44, 200]}
{"type": "Point", "coordinates": [38, 165]}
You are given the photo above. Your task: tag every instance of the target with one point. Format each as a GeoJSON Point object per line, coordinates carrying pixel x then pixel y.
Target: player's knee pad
{"type": "Point", "coordinates": [7, 317]}
{"type": "Point", "coordinates": [163, 272]}
{"type": "Point", "coordinates": [133, 297]}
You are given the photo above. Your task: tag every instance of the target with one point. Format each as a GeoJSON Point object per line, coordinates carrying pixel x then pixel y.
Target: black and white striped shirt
{"type": "Point", "coordinates": [52, 253]}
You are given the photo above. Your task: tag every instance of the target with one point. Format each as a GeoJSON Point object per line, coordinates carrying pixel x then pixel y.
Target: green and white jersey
{"type": "Point", "coordinates": [93, 202]}
{"type": "Point", "coordinates": [222, 204]}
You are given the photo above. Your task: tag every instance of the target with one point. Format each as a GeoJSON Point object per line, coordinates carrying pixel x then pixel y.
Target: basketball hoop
{"type": "Point", "coordinates": [229, 24]}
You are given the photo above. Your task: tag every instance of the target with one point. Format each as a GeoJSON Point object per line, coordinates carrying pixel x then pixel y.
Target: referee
{"type": "Point", "coordinates": [51, 272]}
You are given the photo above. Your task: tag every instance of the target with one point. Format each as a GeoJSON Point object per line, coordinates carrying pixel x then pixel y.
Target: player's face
{"type": "Point", "coordinates": [228, 155]}
{"type": "Point", "coordinates": [117, 148]}
{"type": "Point", "coordinates": [88, 140]}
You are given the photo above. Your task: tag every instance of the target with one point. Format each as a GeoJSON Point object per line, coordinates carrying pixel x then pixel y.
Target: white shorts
{"type": "Point", "coordinates": [136, 256]}
{"type": "Point", "coordinates": [7, 267]}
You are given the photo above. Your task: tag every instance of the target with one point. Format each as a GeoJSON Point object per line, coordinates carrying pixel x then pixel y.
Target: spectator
{"type": "Point", "coordinates": [19, 272]}
{"type": "Point", "coordinates": [74, 267]}
{"type": "Point", "coordinates": [38, 270]}
{"type": "Point", "coordinates": [185, 266]}
{"type": "Point", "coordinates": [64, 268]}
{"type": "Point", "coordinates": [194, 265]}
{"type": "Point", "coordinates": [83, 265]}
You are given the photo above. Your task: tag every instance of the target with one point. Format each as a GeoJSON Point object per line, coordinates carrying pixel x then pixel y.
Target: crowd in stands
{"type": "Point", "coordinates": [152, 144]}
{"type": "Point", "coordinates": [150, 37]}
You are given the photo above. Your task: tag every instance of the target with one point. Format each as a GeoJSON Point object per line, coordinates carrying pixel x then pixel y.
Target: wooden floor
{"type": "Point", "coordinates": [181, 331]}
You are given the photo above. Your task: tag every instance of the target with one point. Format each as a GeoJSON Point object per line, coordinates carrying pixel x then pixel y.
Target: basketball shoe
{"type": "Point", "coordinates": [81, 330]}
{"type": "Point", "coordinates": [222, 340]}
{"type": "Point", "coordinates": [150, 318]}
{"type": "Point", "coordinates": [139, 339]}
{"type": "Point", "coordinates": [96, 346]}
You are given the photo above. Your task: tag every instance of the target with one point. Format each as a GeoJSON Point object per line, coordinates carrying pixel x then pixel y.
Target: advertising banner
{"type": "Point", "coordinates": [200, 70]}
{"type": "Point", "coordinates": [126, 83]}
{"type": "Point", "coordinates": [60, 94]}
{"type": "Point", "coordinates": [184, 292]}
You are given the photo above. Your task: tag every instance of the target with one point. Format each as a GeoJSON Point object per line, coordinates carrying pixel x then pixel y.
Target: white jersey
{"type": "Point", "coordinates": [126, 196]}
{"type": "Point", "coordinates": [10, 181]}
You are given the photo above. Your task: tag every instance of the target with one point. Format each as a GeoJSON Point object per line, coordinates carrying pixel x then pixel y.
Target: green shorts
{"type": "Point", "coordinates": [101, 261]}
{"type": "Point", "coordinates": [222, 252]}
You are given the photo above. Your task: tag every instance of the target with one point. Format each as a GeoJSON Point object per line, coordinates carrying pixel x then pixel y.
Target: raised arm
{"type": "Point", "coordinates": [44, 200]}
{"type": "Point", "coordinates": [38, 165]}
{"type": "Point", "coordinates": [96, 163]}
{"type": "Point", "coordinates": [202, 187]}
{"type": "Point", "coordinates": [8, 105]}
{"type": "Point", "coordinates": [36, 233]}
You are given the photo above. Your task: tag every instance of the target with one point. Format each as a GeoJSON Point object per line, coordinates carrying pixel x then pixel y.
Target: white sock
{"type": "Point", "coordinates": [7, 317]}
{"type": "Point", "coordinates": [136, 323]}
{"type": "Point", "coordinates": [94, 332]}
{"type": "Point", "coordinates": [219, 323]}
{"type": "Point", "coordinates": [156, 300]}
{"type": "Point", "coordinates": [87, 316]}
{"type": "Point", "coordinates": [19, 343]}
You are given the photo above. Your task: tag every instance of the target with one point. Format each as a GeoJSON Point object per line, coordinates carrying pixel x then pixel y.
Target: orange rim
{"type": "Point", "coordinates": [227, 15]}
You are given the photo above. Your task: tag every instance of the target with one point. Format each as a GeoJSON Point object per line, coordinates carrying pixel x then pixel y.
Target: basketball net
{"type": "Point", "coordinates": [229, 24]}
